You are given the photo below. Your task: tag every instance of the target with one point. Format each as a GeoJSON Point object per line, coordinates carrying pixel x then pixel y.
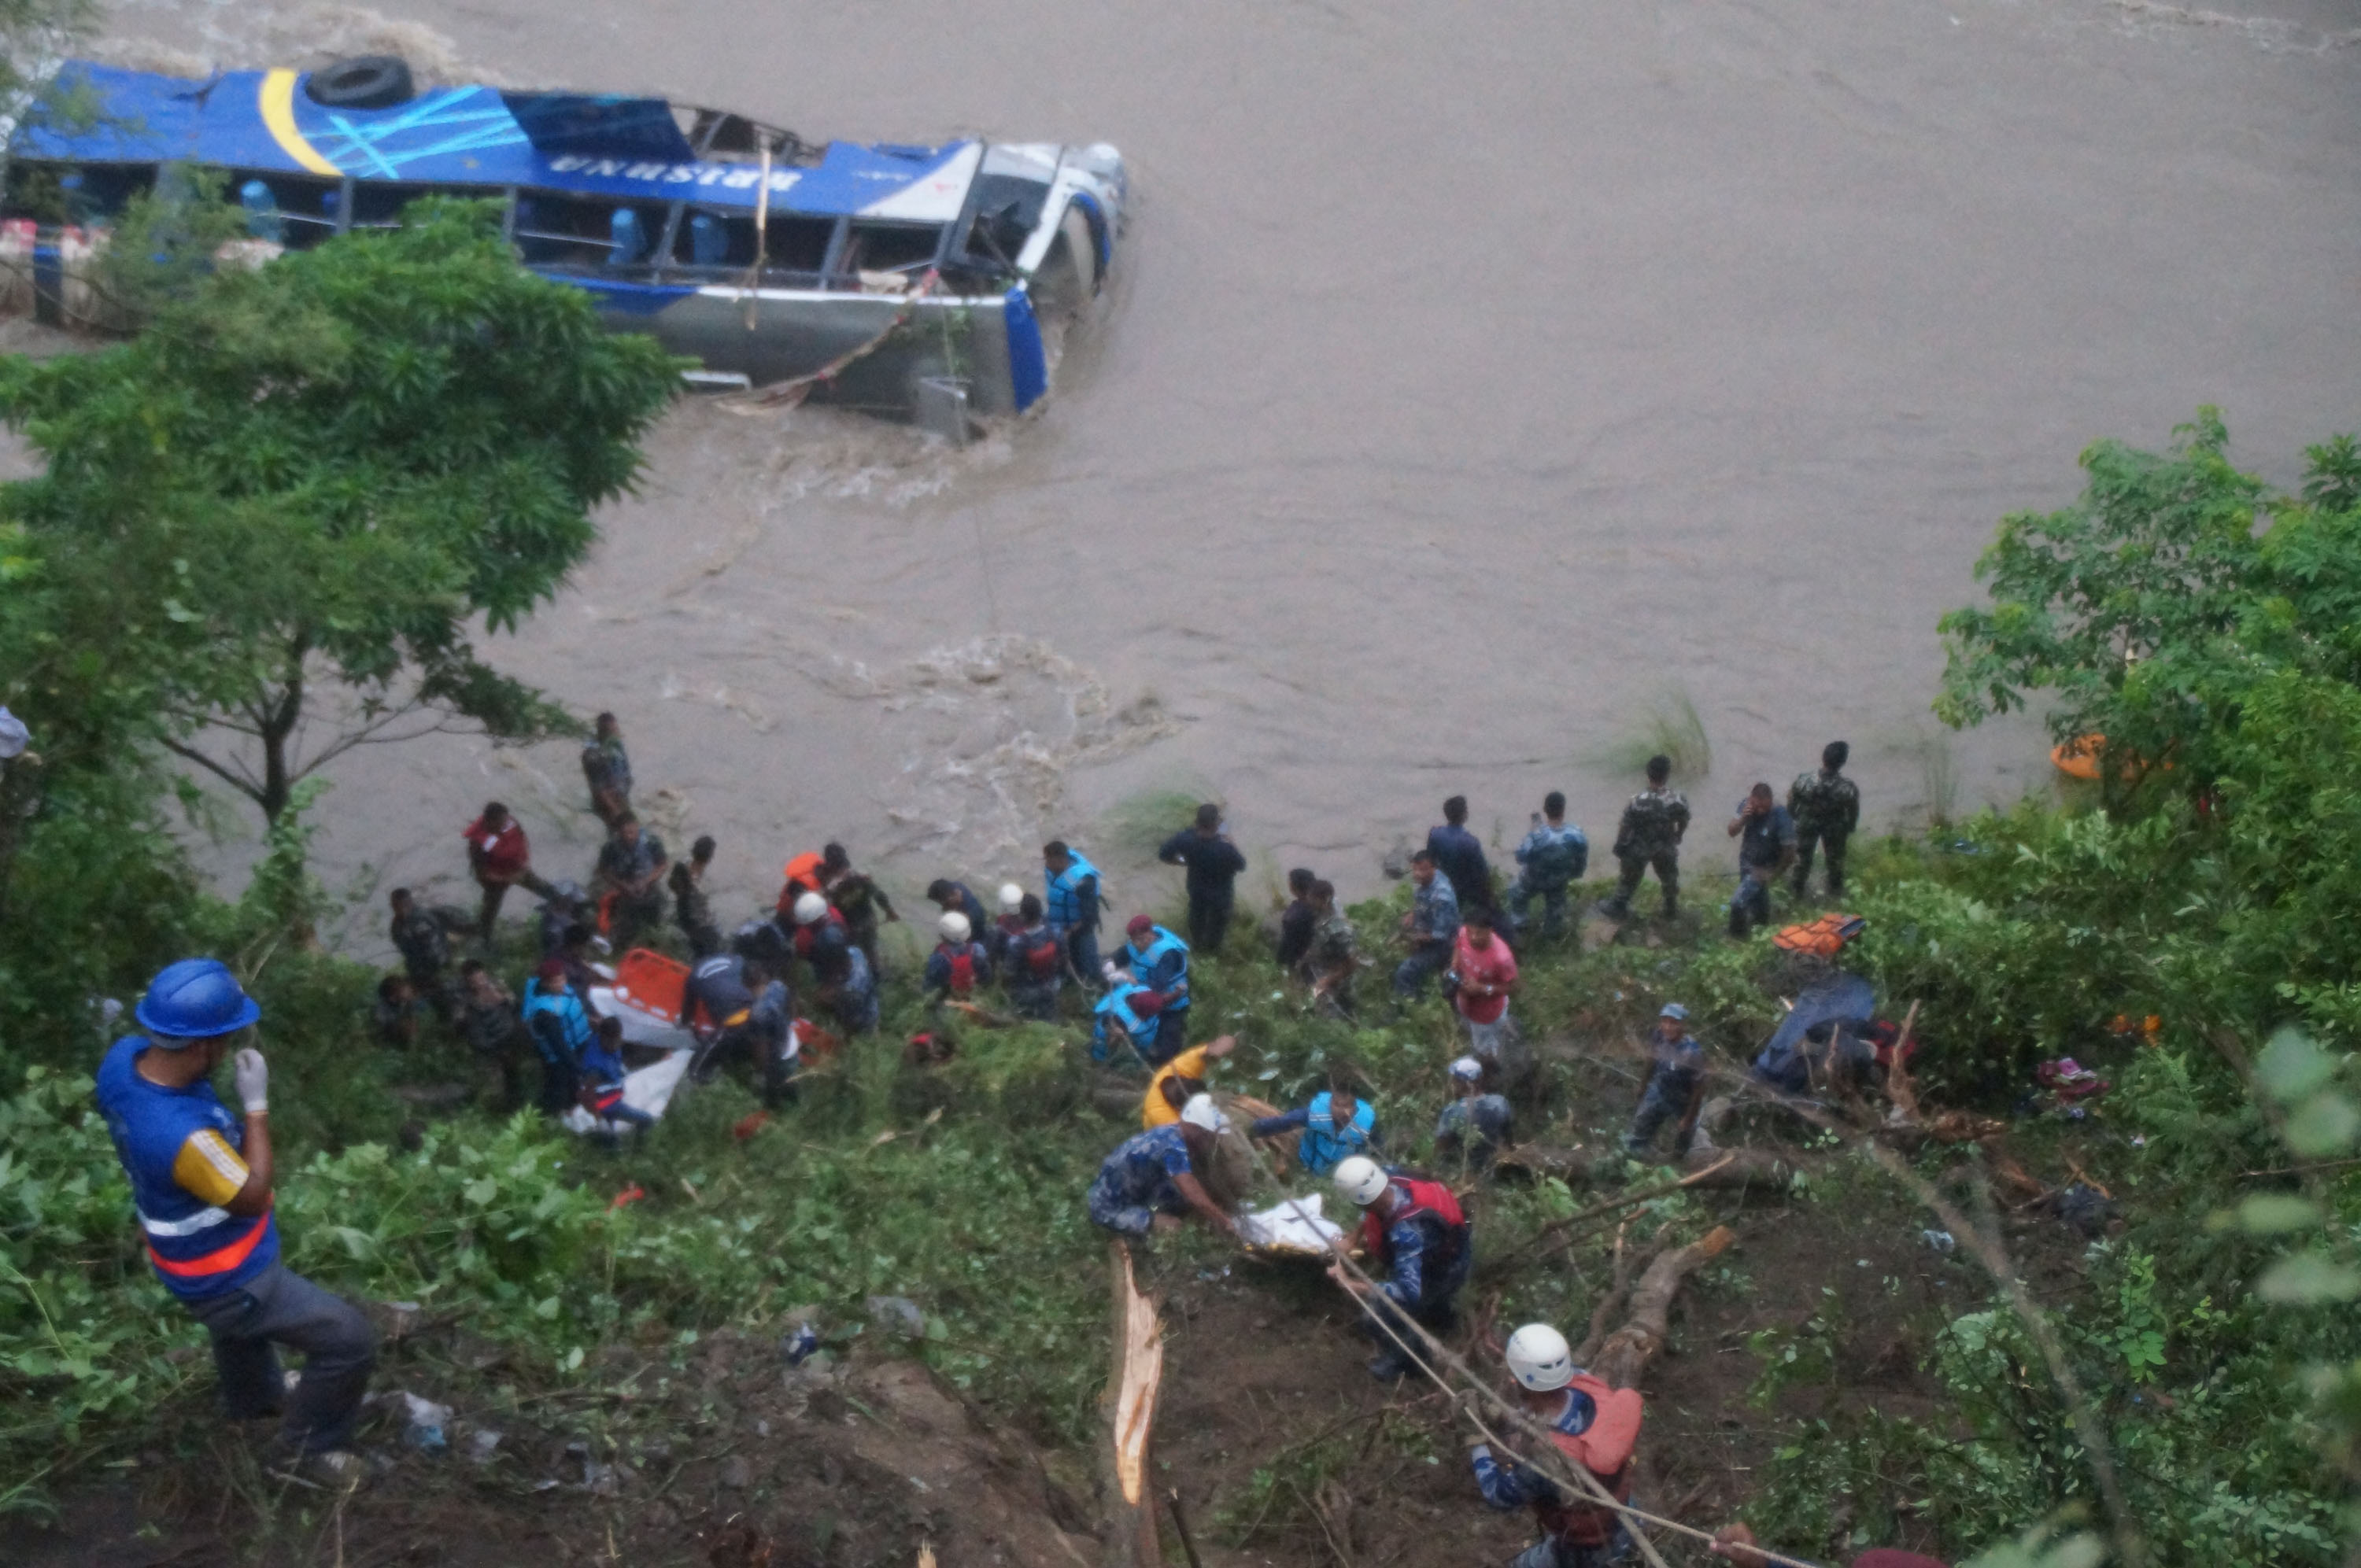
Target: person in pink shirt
{"type": "Point", "coordinates": [1486, 973]}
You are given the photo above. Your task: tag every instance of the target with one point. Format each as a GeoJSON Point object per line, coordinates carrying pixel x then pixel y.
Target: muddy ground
{"type": "Point", "coordinates": [1283, 1449]}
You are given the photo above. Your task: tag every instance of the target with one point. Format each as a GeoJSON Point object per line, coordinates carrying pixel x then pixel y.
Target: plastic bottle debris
{"type": "Point", "coordinates": [797, 1346]}
{"type": "Point", "coordinates": [1941, 1241]}
{"type": "Point", "coordinates": [897, 1314]}
{"type": "Point", "coordinates": [424, 1421]}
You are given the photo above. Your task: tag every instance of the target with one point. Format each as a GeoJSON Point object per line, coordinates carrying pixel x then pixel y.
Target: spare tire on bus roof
{"type": "Point", "coordinates": [364, 81]}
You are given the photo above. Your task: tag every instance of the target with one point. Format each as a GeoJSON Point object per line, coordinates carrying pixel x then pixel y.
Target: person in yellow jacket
{"type": "Point", "coordinates": [1177, 1080]}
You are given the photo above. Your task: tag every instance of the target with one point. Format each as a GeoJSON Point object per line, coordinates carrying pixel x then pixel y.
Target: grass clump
{"type": "Point", "coordinates": [1671, 727]}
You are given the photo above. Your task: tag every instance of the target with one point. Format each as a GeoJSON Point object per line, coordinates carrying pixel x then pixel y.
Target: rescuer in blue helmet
{"type": "Point", "coordinates": [200, 1182]}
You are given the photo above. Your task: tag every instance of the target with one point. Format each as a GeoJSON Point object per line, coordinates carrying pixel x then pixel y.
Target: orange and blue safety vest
{"type": "Point", "coordinates": [198, 1248]}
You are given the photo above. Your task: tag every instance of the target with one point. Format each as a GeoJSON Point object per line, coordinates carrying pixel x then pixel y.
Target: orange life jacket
{"type": "Point", "coordinates": [803, 874]}
{"type": "Point", "coordinates": [1822, 939]}
{"type": "Point", "coordinates": [1604, 1449]}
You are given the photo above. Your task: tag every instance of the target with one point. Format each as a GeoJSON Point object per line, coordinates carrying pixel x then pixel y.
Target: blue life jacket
{"type": "Point", "coordinates": [572, 1020]}
{"type": "Point", "coordinates": [1324, 1145]}
{"type": "Point", "coordinates": [1116, 1006]}
{"type": "Point", "coordinates": [198, 1250]}
{"type": "Point", "coordinates": [1142, 964]}
{"type": "Point", "coordinates": [1064, 904]}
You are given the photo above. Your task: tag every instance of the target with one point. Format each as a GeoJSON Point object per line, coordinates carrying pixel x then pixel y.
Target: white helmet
{"type": "Point", "coordinates": [1539, 1359]}
{"type": "Point", "coordinates": [1011, 898]}
{"type": "Point", "coordinates": [810, 909]}
{"type": "Point", "coordinates": [953, 925]}
{"type": "Point", "coordinates": [1201, 1112]}
{"type": "Point", "coordinates": [1361, 1180]}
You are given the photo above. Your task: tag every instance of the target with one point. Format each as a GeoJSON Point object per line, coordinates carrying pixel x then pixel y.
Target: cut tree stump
{"type": "Point", "coordinates": [1130, 1535]}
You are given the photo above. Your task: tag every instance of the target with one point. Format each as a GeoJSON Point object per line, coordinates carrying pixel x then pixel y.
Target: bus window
{"type": "Point", "coordinates": [588, 232]}
{"type": "Point", "coordinates": [378, 204]}
{"type": "Point", "coordinates": [288, 208]}
{"type": "Point", "coordinates": [905, 248]}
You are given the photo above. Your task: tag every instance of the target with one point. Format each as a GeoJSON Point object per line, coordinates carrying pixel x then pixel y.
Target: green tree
{"type": "Point", "coordinates": [269, 523]}
{"type": "Point", "coordinates": [2123, 610]}
{"type": "Point", "coordinates": [2151, 609]}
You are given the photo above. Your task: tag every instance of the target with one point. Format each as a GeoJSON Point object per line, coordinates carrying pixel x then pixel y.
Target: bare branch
{"type": "Point", "coordinates": [189, 753]}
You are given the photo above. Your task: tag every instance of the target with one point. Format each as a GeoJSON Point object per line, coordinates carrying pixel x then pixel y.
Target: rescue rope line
{"type": "Point", "coordinates": [1519, 1418]}
{"type": "Point", "coordinates": [792, 392]}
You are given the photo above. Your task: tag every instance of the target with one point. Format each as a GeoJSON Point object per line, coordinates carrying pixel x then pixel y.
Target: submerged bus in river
{"type": "Point", "coordinates": [883, 275]}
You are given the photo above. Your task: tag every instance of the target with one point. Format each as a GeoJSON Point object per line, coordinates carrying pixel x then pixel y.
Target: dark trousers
{"type": "Point", "coordinates": [560, 1086]}
{"type": "Point", "coordinates": [338, 1347]}
{"type": "Point", "coordinates": [1521, 894]}
{"type": "Point", "coordinates": [863, 934]}
{"type": "Point", "coordinates": [1036, 998]}
{"type": "Point", "coordinates": [1664, 1099]}
{"type": "Point", "coordinates": [762, 1050]}
{"type": "Point", "coordinates": [1750, 906]}
{"type": "Point", "coordinates": [496, 892]}
{"type": "Point", "coordinates": [1615, 1549]}
{"type": "Point", "coordinates": [1434, 1311]}
{"type": "Point", "coordinates": [1209, 920]}
{"type": "Point", "coordinates": [1082, 952]}
{"type": "Point", "coordinates": [1667, 863]}
{"type": "Point", "coordinates": [1425, 962]}
{"type": "Point", "coordinates": [1806, 838]}
{"type": "Point", "coordinates": [637, 912]}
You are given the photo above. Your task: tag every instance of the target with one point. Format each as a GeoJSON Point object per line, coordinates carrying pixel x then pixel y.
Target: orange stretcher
{"type": "Point", "coordinates": [652, 983]}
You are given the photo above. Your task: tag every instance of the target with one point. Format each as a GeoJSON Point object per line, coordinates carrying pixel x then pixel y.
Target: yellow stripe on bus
{"type": "Point", "coordinates": [279, 113]}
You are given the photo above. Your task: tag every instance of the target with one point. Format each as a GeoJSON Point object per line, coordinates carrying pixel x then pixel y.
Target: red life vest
{"type": "Point", "coordinates": [1428, 1201]}
{"type": "Point", "coordinates": [807, 936]}
{"type": "Point", "coordinates": [1604, 1449]}
{"type": "Point", "coordinates": [962, 963]}
{"type": "Point", "coordinates": [1045, 957]}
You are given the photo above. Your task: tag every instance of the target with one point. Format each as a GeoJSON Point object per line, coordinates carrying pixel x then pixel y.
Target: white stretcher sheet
{"type": "Point", "coordinates": [641, 1027]}
{"type": "Point", "coordinates": [648, 1088]}
{"type": "Point", "coordinates": [1294, 1226]}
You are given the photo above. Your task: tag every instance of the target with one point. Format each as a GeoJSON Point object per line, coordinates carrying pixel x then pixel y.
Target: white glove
{"type": "Point", "coordinates": [253, 1075]}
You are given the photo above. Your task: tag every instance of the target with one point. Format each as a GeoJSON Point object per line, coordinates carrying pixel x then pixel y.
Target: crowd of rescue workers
{"type": "Point", "coordinates": [201, 1176]}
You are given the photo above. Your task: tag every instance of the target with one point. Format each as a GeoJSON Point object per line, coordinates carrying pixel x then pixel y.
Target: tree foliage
{"type": "Point", "coordinates": [2147, 611]}
{"type": "Point", "coordinates": [284, 506]}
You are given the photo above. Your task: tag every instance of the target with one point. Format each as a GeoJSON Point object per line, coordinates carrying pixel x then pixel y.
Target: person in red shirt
{"type": "Point", "coordinates": [500, 857]}
{"type": "Point", "coordinates": [1486, 973]}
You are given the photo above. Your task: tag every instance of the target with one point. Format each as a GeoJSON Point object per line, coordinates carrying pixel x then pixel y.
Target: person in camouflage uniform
{"type": "Point", "coordinates": [1826, 808]}
{"type": "Point", "coordinates": [1335, 954]}
{"type": "Point", "coordinates": [1650, 836]}
{"type": "Point", "coordinates": [1553, 855]}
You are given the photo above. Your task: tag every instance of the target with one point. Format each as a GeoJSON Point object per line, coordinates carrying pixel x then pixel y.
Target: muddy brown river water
{"type": "Point", "coordinates": [1474, 380]}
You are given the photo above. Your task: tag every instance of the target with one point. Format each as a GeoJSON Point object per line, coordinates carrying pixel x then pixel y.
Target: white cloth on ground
{"type": "Point", "coordinates": [1293, 1226]}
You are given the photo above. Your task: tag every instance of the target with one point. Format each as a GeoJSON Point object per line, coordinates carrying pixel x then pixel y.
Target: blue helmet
{"type": "Point", "coordinates": [195, 999]}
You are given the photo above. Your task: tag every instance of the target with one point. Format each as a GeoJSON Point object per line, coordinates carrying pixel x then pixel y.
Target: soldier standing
{"type": "Point", "coordinates": [1650, 836]}
{"type": "Point", "coordinates": [1826, 808]}
{"type": "Point", "coordinates": [606, 769]}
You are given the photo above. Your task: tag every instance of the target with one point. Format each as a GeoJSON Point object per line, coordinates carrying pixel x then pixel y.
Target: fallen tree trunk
{"type": "Point", "coordinates": [1717, 1169]}
{"type": "Point", "coordinates": [1630, 1348]}
{"type": "Point", "coordinates": [1136, 1374]}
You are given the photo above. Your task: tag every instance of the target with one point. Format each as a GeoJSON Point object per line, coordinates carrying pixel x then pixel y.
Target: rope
{"type": "Point", "coordinates": [1598, 1495]}
{"type": "Point", "coordinates": [792, 392]}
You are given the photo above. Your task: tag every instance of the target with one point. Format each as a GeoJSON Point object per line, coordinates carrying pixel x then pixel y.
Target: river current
{"type": "Point", "coordinates": [1475, 383]}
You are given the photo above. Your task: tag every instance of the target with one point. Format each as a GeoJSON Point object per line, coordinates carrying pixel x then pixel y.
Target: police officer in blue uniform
{"type": "Point", "coordinates": [1159, 960]}
{"type": "Point", "coordinates": [200, 1182]}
